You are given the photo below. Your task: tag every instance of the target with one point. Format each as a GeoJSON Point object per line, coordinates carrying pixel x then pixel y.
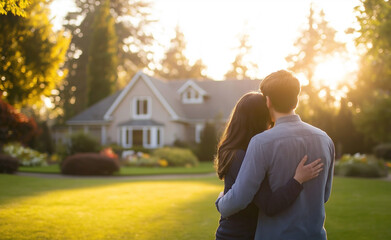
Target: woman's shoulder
{"type": "Point", "coordinates": [239, 154]}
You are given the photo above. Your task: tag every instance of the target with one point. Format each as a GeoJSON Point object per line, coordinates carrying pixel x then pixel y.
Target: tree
{"type": "Point", "coordinates": [208, 144]}
{"type": "Point", "coordinates": [31, 55]}
{"type": "Point", "coordinates": [16, 7]}
{"type": "Point", "coordinates": [371, 95]}
{"type": "Point", "coordinates": [175, 64]}
{"type": "Point", "coordinates": [102, 64]}
{"type": "Point", "coordinates": [241, 65]}
{"type": "Point", "coordinates": [316, 42]}
{"type": "Point", "coordinates": [132, 19]}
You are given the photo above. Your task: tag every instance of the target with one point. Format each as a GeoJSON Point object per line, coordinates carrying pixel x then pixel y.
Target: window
{"type": "Point", "coordinates": [191, 95]}
{"type": "Point", "coordinates": [142, 107]}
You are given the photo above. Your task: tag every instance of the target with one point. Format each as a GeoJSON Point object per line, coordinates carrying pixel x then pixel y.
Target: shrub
{"type": "Point", "coordinates": [15, 126]}
{"type": "Point", "coordinates": [176, 156]}
{"type": "Point", "coordinates": [89, 164]}
{"type": "Point", "coordinates": [26, 156]}
{"type": "Point", "coordinates": [383, 151]}
{"type": "Point", "coordinates": [8, 164]}
{"type": "Point", "coordinates": [360, 165]}
{"type": "Point", "coordinates": [83, 143]}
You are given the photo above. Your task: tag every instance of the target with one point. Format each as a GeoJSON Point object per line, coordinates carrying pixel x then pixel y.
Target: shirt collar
{"type": "Point", "coordinates": [290, 118]}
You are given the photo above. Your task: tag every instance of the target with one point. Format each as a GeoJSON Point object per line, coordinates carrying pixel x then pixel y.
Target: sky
{"type": "Point", "coordinates": [212, 27]}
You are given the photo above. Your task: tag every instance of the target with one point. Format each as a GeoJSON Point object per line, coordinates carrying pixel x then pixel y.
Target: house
{"type": "Point", "coordinates": [151, 112]}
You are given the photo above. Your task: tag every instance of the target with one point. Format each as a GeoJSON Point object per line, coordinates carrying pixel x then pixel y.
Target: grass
{"type": "Point", "coordinates": [34, 208]}
{"type": "Point", "coordinates": [203, 167]}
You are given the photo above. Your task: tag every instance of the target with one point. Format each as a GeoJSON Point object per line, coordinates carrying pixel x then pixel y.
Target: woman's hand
{"type": "Point", "coordinates": [309, 171]}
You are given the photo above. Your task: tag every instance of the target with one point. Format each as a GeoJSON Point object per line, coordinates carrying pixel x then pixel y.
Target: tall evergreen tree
{"type": "Point", "coordinates": [241, 65]}
{"type": "Point", "coordinates": [316, 42]}
{"type": "Point", "coordinates": [175, 64]}
{"type": "Point", "coordinates": [102, 64]}
{"type": "Point", "coordinates": [132, 19]}
{"type": "Point", "coordinates": [31, 55]}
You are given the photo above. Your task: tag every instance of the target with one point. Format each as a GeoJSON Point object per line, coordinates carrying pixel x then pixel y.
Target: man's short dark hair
{"type": "Point", "coordinates": [283, 90]}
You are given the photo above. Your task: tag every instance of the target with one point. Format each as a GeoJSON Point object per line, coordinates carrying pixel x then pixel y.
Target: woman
{"type": "Point", "coordinates": [250, 117]}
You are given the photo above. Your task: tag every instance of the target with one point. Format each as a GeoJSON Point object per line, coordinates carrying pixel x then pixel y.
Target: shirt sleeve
{"type": "Point", "coordinates": [249, 179]}
{"type": "Point", "coordinates": [272, 203]}
{"type": "Point", "coordinates": [330, 173]}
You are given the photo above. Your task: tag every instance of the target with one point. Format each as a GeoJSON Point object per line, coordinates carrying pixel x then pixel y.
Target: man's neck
{"type": "Point", "coordinates": [278, 115]}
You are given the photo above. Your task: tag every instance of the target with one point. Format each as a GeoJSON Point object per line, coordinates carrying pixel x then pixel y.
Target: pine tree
{"type": "Point", "coordinates": [175, 64]}
{"type": "Point", "coordinates": [241, 65]}
{"type": "Point", "coordinates": [102, 64]}
{"type": "Point", "coordinates": [132, 19]}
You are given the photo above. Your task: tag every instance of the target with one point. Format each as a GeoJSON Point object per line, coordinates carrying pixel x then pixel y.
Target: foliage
{"type": "Point", "coordinates": [371, 94]}
{"type": "Point", "coordinates": [31, 54]}
{"type": "Point", "coordinates": [8, 164]}
{"type": "Point", "coordinates": [383, 151]}
{"type": "Point", "coordinates": [375, 117]}
{"type": "Point", "coordinates": [108, 152]}
{"type": "Point", "coordinates": [16, 7]}
{"type": "Point", "coordinates": [102, 62]}
{"type": "Point", "coordinates": [15, 126]}
{"type": "Point", "coordinates": [241, 65]}
{"type": "Point", "coordinates": [133, 47]}
{"type": "Point", "coordinates": [140, 159]}
{"type": "Point", "coordinates": [360, 165]}
{"type": "Point", "coordinates": [207, 146]}
{"type": "Point", "coordinates": [176, 156]}
{"type": "Point", "coordinates": [315, 42]}
{"type": "Point", "coordinates": [26, 156]}
{"type": "Point", "coordinates": [175, 64]}
{"type": "Point", "coordinates": [89, 164]}
{"type": "Point", "coordinates": [83, 143]}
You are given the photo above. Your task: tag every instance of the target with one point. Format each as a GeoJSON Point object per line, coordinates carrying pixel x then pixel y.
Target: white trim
{"type": "Point", "coordinates": [134, 107]}
{"type": "Point", "coordinates": [153, 136]}
{"type": "Point", "coordinates": [137, 76]}
{"type": "Point", "coordinates": [191, 83]}
{"type": "Point", "coordinates": [198, 130]}
{"type": "Point", "coordinates": [121, 96]}
{"type": "Point", "coordinates": [160, 97]}
{"type": "Point", "coordinates": [192, 99]}
{"type": "Point", "coordinates": [103, 135]}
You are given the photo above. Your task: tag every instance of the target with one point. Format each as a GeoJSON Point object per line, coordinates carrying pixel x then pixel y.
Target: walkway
{"type": "Point", "coordinates": [144, 177]}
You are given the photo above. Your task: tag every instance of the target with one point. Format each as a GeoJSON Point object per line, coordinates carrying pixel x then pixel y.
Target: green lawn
{"type": "Point", "coordinates": [34, 208]}
{"type": "Point", "coordinates": [203, 167]}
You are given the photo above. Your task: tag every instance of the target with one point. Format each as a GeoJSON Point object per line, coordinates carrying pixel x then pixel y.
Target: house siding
{"type": "Point", "coordinates": [124, 111]}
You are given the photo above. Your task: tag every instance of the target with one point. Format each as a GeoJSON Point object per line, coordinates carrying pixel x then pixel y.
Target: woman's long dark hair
{"type": "Point", "coordinates": [249, 117]}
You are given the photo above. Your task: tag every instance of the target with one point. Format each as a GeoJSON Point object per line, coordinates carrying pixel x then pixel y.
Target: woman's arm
{"type": "Point", "coordinates": [272, 203]}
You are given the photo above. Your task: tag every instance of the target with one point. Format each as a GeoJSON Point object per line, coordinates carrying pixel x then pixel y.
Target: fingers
{"type": "Point", "coordinates": [303, 160]}
{"type": "Point", "coordinates": [314, 163]}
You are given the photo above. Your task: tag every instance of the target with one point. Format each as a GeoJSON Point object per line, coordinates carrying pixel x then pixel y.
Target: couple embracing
{"type": "Point", "coordinates": [277, 170]}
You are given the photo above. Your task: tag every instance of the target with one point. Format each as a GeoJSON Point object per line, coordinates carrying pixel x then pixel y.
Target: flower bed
{"type": "Point", "coordinates": [360, 165]}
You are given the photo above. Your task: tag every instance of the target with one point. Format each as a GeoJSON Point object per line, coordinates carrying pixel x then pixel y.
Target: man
{"type": "Point", "coordinates": [276, 153]}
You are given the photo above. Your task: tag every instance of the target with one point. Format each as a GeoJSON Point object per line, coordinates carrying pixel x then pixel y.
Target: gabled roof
{"type": "Point", "coordinates": [95, 113]}
{"type": "Point", "coordinates": [191, 83]}
{"type": "Point", "coordinates": [221, 97]}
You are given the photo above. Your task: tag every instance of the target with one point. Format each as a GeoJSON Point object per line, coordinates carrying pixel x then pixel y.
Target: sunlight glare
{"type": "Point", "coordinates": [331, 72]}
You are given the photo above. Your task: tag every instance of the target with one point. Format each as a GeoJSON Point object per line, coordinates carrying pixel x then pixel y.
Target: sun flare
{"type": "Point", "coordinates": [332, 72]}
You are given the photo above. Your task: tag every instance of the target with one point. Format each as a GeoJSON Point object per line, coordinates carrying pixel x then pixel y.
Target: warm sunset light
{"type": "Point", "coordinates": [195, 119]}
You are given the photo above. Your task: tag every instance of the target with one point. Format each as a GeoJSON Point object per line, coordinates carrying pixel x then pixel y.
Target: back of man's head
{"type": "Point", "coordinates": [283, 90]}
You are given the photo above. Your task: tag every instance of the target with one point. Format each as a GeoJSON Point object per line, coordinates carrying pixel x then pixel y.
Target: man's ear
{"type": "Point", "coordinates": [268, 102]}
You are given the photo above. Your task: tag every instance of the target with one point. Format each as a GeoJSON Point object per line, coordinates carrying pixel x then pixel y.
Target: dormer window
{"type": "Point", "coordinates": [142, 108]}
{"type": "Point", "coordinates": [191, 93]}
